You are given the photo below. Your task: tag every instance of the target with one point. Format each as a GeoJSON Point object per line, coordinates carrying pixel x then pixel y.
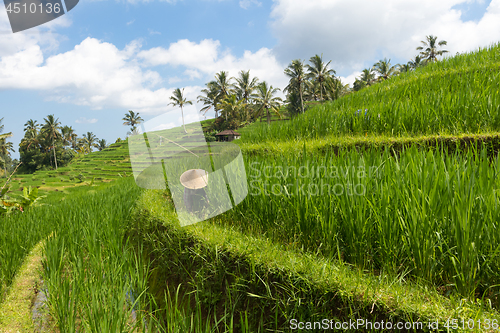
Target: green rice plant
{"type": "Point", "coordinates": [427, 213]}
{"type": "Point", "coordinates": [86, 262]}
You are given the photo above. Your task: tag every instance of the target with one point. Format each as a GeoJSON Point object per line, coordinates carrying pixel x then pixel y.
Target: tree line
{"type": "Point", "coordinates": [53, 145]}
{"type": "Point", "coordinates": [383, 70]}
{"type": "Point", "coordinates": [240, 100]}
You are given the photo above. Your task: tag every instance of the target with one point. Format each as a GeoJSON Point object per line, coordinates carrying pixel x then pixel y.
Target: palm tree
{"type": "Point", "coordinates": [295, 71]}
{"type": "Point", "coordinates": [265, 101]}
{"type": "Point", "coordinates": [89, 140]}
{"type": "Point", "coordinates": [101, 144]}
{"type": "Point", "coordinates": [5, 147]}
{"type": "Point", "coordinates": [210, 99]}
{"type": "Point", "coordinates": [319, 72]}
{"type": "Point", "coordinates": [51, 130]}
{"type": "Point", "coordinates": [431, 52]}
{"type": "Point", "coordinates": [68, 135]}
{"type": "Point", "coordinates": [132, 119]}
{"type": "Point", "coordinates": [231, 106]}
{"type": "Point", "coordinates": [384, 69]}
{"type": "Point", "coordinates": [223, 84]}
{"type": "Point", "coordinates": [179, 100]}
{"type": "Point", "coordinates": [244, 88]}
{"type": "Point", "coordinates": [417, 62]}
{"type": "Point", "coordinates": [335, 88]}
{"type": "Point", "coordinates": [404, 68]}
{"type": "Point", "coordinates": [367, 76]}
{"type": "Point", "coordinates": [31, 128]}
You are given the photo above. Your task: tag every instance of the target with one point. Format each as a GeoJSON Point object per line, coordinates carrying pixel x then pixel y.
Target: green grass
{"type": "Point", "coordinates": [109, 164]}
{"type": "Point", "coordinates": [257, 284]}
{"type": "Point", "coordinates": [431, 215]}
{"type": "Point", "coordinates": [455, 96]}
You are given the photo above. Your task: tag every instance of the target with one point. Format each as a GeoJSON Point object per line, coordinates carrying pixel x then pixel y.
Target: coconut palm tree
{"type": "Point", "coordinates": [335, 88]}
{"type": "Point", "coordinates": [265, 100]}
{"type": "Point", "coordinates": [384, 69]}
{"type": "Point", "coordinates": [101, 144]}
{"type": "Point", "coordinates": [68, 135]}
{"type": "Point", "coordinates": [179, 100]}
{"type": "Point", "coordinates": [5, 147]}
{"type": "Point", "coordinates": [417, 62]}
{"type": "Point", "coordinates": [89, 140]}
{"type": "Point", "coordinates": [298, 78]}
{"type": "Point", "coordinates": [132, 119]}
{"type": "Point", "coordinates": [244, 88]}
{"type": "Point", "coordinates": [210, 99]}
{"type": "Point", "coordinates": [429, 49]}
{"type": "Point", "coordinates": [51, 131]}
{"type": "Point", "coordinates": [404, 68]}
{"type": "Point", "coordinates": [222, 84]}
{"type": "Point", "coordinates": [31, 128]}
{"type": "Point", "coordinates": [368, 76]}
{"type": "Point", "coordinates": [319, 72]}
{"type": "Point", "coordinates": [231, 106]}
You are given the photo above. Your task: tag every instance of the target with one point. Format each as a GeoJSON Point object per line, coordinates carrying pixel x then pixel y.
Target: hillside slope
{"type": "Point", "coordinates": [455, 96]}
{"type": "Point", "coordinates": [100, 166]}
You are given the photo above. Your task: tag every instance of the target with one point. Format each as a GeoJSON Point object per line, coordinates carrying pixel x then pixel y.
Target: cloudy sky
{"type": "Point", "coordinates": [105, 57]}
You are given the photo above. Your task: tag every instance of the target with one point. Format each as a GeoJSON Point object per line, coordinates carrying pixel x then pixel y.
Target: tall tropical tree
{"type": "Point", "coordinates": [101, 144]}
{"type": "Point", "coordinates": [223, 84]}
{"type": "Point", "coordinates": [209, 99]}
{"type": "Point", "coordinates": [335, 88]}
{"type": "Point", "coordinates": [31, 128]}
{"type": "Point", "coordinates": [90, 141]}
{"type": "Point", "coordinates": [266, 101]}
{"type": "Point", "coordinates": [429, 50]}
{"type": "Point", "coordinates": [51, 131]}
{"type": "Point", "coordinates": [319, 72]}
{"type": "Point", "coordinates": [68, 135]}
{"type": "Point", "coordinates": [179, 100]}
{"type": "Point", "coordinates": [232, 107]}
{"type": "Point", "coordinates": [367, 78]}
{"type": "Point", "coordinates": [132, 119]}
{"type": "Point", "coordinates": [244, 88]}
{"type": "Point", "coordinates": [384, 69]}
{"type": "Point", "coordinates": [417, 62]}
{"type": "Point", "coordinates": [404, 68]}
{"type": "Point", "coordinates": [5, 147]}
{"type": "Point", "coordinates": [295, 71]}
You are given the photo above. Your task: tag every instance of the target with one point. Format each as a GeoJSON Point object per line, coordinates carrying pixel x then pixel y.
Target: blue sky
{"type": "Point", "coordinates": [103, 58]}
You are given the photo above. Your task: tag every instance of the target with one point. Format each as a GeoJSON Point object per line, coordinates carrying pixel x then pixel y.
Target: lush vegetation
{"type": "Point", "coordinates": [51, 145]}
{"type": "Point", "coordinates": [379, 204]}
{"type": "Point", "coordinates": [454, 96]}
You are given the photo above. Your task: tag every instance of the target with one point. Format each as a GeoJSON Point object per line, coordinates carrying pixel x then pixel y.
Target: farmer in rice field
{"type": "Point", "coordinates": [195, 197]}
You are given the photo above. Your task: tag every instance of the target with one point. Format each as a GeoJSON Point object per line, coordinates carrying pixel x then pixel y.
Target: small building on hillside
{"type": "Point", "coordinates": [227, 135]}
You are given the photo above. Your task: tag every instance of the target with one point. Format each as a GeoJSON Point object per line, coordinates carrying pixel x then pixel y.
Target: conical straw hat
{"type": "Point", "coordinates": [194, 179]}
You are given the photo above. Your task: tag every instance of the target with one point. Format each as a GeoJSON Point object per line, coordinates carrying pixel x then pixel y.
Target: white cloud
{"type": "Point", "coordinates": [94, 73]}
{"type": "Point", "coordinates": [245, 4]}
{"type": "Point", "coordinates": [207, 57]}
{"type": "Point", "coordinates": [355, 33]}
{"type": "Point", "coordinates": [350, 78]}
{"type": "Point", "coordinates": [130, 22]}
{"type": "Point", "coordinates": [154, 32]}
{"type": "Point", "coordinates": [83, 120]}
